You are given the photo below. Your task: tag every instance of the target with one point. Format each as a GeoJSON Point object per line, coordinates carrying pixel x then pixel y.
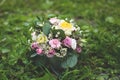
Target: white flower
{"type": "Point", "coordinates": [73, 44]}
{"type": "Point", "coordinates": [34, 37]}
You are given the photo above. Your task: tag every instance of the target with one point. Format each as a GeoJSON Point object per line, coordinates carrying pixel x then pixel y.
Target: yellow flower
{"type": "Point", "coordinates": [42, 38]}
{"type": "Point", "coordinates": [65, 25]}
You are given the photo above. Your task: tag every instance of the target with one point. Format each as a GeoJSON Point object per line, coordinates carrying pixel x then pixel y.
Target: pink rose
{"type": "Point", "coordinates": [34, 45]}
{"type": "Point", "coordinates": [78, 49]}
{"type": "Point", "coordinates": [54, 20]}
{"type": "Point", "coordinates": [39, 51]}
{"type": "Point", "coordinates": [51, 53]}
{"type": "Point", "coordinates": [67, 42]}
{"type": "Point", "coordinates": [55, 43]}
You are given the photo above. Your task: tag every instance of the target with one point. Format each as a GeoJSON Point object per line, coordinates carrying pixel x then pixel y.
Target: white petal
{"type": "Point", "coordinates": [74, 44]}
{"type": "Point", "coordinates": [68, 32]}
{"type": "Point", "coordinates": [34, 38]}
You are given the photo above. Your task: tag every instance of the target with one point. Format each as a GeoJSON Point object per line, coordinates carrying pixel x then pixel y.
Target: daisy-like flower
{"type": "Point", "coordinates": [63, 52]}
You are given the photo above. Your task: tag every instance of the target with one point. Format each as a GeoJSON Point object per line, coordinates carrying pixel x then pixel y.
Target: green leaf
{"type": "Point", "coordinates": [33, 55]}
{"type": "Point", "coordinates": [45, 77]}
{"type": "Point", "coordinates": [46, 28]}
{"type": "Point", "coordinates": [109, 19]}
{"type": "Point", "coordinates": [3, 76]}
{"type": "Point", "coordinates": [102, 77]}
{"type": "Point", "coordinates": [70, 61]}
{"type": "Point", "coordinates": [5, 50]}
{"type": "Point", "coordinates": [51, 15]}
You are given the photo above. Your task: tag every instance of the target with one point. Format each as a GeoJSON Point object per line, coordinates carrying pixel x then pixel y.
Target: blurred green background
{"type": "Point", "coordinates": [99, 19]}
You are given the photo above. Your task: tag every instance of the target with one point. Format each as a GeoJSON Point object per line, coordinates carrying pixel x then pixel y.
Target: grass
{"type": "Point", "coordinates": [99, 60]}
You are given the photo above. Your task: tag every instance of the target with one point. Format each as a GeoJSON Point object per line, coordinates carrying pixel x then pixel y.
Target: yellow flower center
{"type": "Point", "coordinates": [66, 25]}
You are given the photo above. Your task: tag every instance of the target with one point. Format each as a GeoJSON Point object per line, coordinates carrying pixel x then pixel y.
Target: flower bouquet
{"type": "Point", "coordinates": [58, 41]}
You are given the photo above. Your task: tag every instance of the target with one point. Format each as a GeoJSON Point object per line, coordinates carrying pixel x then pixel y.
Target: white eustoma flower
{"type": "Point", "coordinates": [73, 44]}
{"type": "Point", "coordinates": [34, 37]}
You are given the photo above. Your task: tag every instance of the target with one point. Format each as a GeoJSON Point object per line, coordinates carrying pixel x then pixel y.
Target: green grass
{"type": "Point", "coordinates": [100, 21]}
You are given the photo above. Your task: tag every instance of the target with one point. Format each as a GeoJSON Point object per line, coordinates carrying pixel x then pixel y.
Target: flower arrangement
{"type": "Point", "coordinates": [57, 38]}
